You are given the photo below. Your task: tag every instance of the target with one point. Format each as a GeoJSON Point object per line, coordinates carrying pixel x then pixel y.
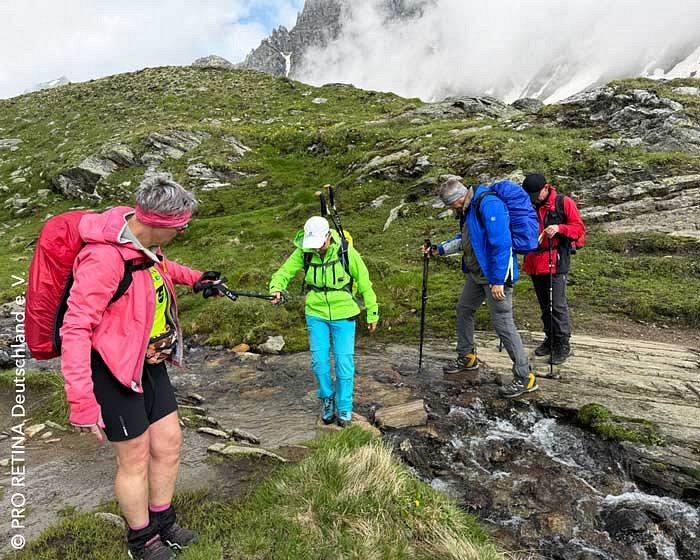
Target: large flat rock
{"type": "Point", "coordinates": [633, 378]}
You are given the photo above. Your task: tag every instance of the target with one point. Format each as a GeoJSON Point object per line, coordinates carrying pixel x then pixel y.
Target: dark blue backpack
{"type": "Point", "coordinates": [524, 225]}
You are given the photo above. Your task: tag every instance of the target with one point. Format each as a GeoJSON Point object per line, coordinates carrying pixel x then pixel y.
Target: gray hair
{"type": "Point", "coordinates": [159, 193]}
{"type": "Point", "coordinates": [451, 190]}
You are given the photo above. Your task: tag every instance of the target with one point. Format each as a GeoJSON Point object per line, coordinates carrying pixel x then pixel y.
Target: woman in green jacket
{"type": "Point", "coordinates": [334, 272]}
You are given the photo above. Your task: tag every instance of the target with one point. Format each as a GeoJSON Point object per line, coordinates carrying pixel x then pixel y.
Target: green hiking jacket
{"type": "Point", "coordinates": [329, 288]}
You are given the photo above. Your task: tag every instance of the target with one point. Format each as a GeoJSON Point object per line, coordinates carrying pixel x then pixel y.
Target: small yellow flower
{"type": "Point", "coordinates": [417, 502]}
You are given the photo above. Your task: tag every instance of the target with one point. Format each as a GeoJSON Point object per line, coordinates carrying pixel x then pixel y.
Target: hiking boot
{"type": "Point", "coordinates": [562, 350]}
{"type": "Point", "coordinates": [153, 550]}
{"type": "Point", "coordinates": [177, 538]}
{"type": "Point", "coordinates": [344, 418]}
{"type": "Point", "coordinates": [518, 387]}
{"type": "Point", "coordinates": [544, 348]}
{"type": "Point", "coordinates": [463, 363]}
{"type": "Point", "coordinates": [328, 409]}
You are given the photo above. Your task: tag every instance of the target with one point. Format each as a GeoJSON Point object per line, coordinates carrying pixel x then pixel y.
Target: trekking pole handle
{"type": "Point", "coordinates": [330, 194]}
{"type": "Point", "coordinates": [322, 198]}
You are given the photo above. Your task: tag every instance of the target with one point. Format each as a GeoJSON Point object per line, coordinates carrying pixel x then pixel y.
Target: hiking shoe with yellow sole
{"type": "Point", "coordinates": [519, 387]}
{"type": "Point", "coordinates": [463, 363]}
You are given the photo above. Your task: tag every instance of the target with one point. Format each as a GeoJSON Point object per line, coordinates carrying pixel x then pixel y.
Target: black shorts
{"type": "Point", "coordinates": [128, 414]}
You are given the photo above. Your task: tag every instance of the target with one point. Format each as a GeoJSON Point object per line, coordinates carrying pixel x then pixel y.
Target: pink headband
{"type": "Point", "coordinates": [156, 220]}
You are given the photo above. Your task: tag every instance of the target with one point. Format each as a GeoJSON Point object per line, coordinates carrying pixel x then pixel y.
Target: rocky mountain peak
{"type": "Point", "coordinates": [319, 23]}
{"type": "Point", "coordinates": [213, 61]}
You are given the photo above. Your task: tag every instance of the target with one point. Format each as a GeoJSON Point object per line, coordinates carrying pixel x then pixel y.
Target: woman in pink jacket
{"type": "Point", "coordinates": [114, 352]}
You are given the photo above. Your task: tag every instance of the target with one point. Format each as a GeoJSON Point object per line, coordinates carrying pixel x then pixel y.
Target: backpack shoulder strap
{"type": "Point", "coordinates": [559, 205]}
{"type": "Point", "coordinates": [477, 206]}
{"type": "Point", "coordinates": [125, 282]}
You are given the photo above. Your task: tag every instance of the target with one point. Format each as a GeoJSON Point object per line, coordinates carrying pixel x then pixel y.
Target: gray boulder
{"type": "Point", "coordinates": [528, 105]}
{"type": "Point", "coordinates": [81, 181]}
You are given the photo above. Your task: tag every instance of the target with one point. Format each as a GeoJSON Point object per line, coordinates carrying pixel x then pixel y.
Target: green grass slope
{"type": "Point", "coordinates": [298, 145]}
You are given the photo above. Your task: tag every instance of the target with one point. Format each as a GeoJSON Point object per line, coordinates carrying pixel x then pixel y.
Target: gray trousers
{"type": "Point", "coordinates": [472, 297]}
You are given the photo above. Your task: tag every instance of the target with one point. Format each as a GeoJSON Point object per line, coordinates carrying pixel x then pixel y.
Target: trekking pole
{"type": "Point", "coordinates": [551, 309]}
{"type": "Point", "coordinates": [233, 295]}
{"type": "Point", "coordinates": [335, 217]}
{"type": "Point", "coordinates": [424, 300]}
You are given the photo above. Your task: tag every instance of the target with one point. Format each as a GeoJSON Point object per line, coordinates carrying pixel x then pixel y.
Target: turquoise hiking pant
{"type": "Point", "coordinates": [342, 332]}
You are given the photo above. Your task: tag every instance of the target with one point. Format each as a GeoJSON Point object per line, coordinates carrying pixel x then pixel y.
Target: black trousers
{"type": "Point", "coordinates": [560, 310]}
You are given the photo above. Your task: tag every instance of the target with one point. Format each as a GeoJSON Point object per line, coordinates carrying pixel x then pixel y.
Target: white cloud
{"type": "Point", "coordinates": [83, 39]}
{"type": "Point", "coordinates": [501, 46]}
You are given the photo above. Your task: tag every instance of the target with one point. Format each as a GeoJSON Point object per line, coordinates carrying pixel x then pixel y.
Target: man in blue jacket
{"type": "Point", "coordinates": [490, 268]}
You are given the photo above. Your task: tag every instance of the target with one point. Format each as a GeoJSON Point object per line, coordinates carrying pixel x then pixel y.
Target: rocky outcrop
{"type": "Point", "coordinates": [81, 181]}
{"type": "Point", "coordinates": [213, 61]}
{"type": "Point", "coordinates": [528, 105]}
{"type": "Point", "coordinates": [213, 178]}
{"type": "Point", "coordinates": [172, 144]}
{"type": "Point", "coordinates": [463, 107]}
{"type": "Point", "coordinates": [661, 123]}
{"type": "Point", "coordinates": [665, 205]}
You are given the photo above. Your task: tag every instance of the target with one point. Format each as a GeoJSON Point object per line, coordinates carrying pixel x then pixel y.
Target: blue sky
{"type": "Point", "coordinates": [84, 39]}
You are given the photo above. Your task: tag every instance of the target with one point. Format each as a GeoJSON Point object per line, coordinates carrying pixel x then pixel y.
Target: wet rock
{"type": "Point", "coordinates": [238, 451]}
{"type": "Point", "coordinates": [273, 345]}
{"type": "Point", "coordinates": [239, 434]}
{"type": "Point", "coordinates": [195, 398]}
{"type": "Point", "coordinates": [213, 432]}
{"type": "Point", "coordinates": [624, 520]}
{"type": "Point", "coordinates": [248, 357]}
{"type": "Point", "coordinates": [196, 409]}
{"type": "Point", "coordinates": [112, 519]}
{"type": "Point", "coordinates": [34, 430]}
{"type": "Point", "coordinates": [528, 105]}
{"type": "Point", "coordinates": [403, 415]}
{"type": "Point", "coordinates": [54, 426]}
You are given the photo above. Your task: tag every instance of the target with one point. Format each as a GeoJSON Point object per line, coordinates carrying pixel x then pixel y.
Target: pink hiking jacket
{"type": "Point", "coordinates": [119, 332]}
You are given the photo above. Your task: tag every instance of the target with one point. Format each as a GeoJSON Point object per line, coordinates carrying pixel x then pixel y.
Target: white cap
{"type": "Point", "coordinates": [315, 232]}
